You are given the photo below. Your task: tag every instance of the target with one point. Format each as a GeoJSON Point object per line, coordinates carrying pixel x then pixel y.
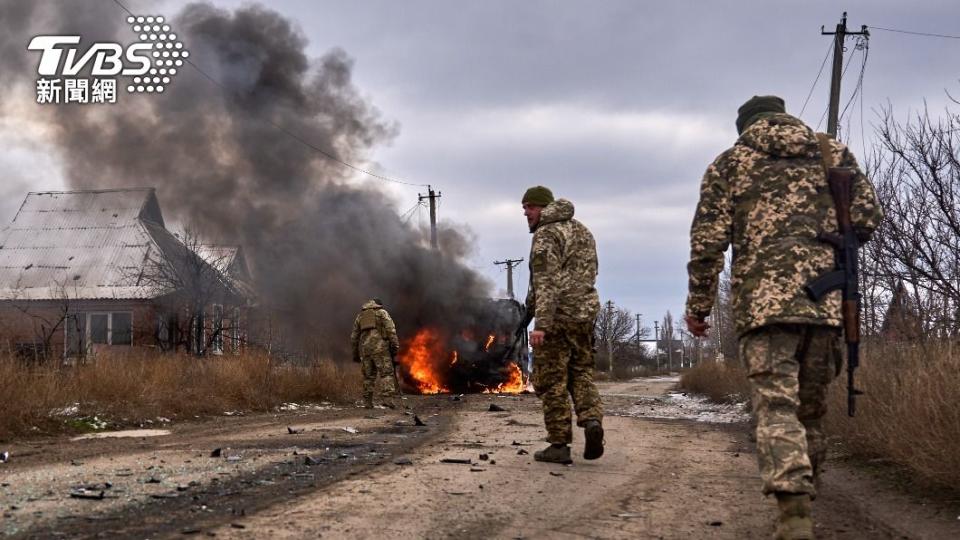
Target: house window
{"type": "Point", "coordinates": [83, 329]}
{"type": "Point", "coordinates": [217, 329]}
{"type": "Point", "coordinates": [121, 328]}
{"type": "Point", "coordinates": [99, 324]}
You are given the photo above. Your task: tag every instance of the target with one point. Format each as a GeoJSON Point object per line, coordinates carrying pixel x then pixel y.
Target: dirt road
{"type": "Point", "coordinates": [675, 467]}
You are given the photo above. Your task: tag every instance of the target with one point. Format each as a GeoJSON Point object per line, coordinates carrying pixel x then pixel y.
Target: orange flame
{"type": "Point", "coordinates": [490, 339]}
{"type": "Point", "coordinates": [513, 385]}
{"type": "Point", "coordinates": [454, 358]}
{"type": "Point", "coordinates": [417, 357]}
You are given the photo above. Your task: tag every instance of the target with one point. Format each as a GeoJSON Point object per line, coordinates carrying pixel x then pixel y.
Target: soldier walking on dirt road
{"type": "Point", "coordinates": [564, 302]}
{"type": "Point", "coordinates": [374, 343]}
{"type": "Point", "coordinates": [768, 197]}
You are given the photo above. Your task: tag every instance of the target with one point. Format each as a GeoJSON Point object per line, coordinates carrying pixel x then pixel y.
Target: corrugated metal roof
{"type": "Point", "coordinates": [82, 245]}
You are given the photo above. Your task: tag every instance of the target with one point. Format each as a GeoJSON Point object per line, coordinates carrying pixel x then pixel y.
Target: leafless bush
{"type": "Point", "coordinates": [723, 382]}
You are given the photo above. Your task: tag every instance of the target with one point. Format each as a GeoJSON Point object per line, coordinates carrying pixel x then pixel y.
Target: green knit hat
{"type": "Point", "coordinates": [538, 195]}
{"type": "Point", "coordinates": [747, 113]}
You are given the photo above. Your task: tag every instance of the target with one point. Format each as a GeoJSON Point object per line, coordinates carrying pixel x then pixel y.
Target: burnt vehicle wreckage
{"type": "Point", "coordinates": [491, 354]}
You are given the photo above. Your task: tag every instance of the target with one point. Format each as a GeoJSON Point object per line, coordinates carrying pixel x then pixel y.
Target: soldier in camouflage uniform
{"type": "Point", "coordinates": [564, 302]}
{"type": "Point", "coordinates": [768, 196]}
{"type": "Point", "coordinates": [374, 344]}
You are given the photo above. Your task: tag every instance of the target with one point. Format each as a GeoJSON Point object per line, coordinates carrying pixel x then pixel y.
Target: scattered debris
{"type": "Point", "coordinates": [457, 397]}
{"type": "Point", "coordinates": [292, 431]}
{"type": "Point", "coordinates": [234, 458]}
{"type": "Point", "coordinates": [238, 525]}
{"type": "Point", "coordinates": [476, 469]}
{"type": "Point", "coordinates": [191, 530]}
{"type": "Point", "coordinates": [484, 457]}
{"type": "Point", "coordinates": [715, 523]}
{"type": "Point", "coordinates": [309, 461]}
{"type": "Point", "coordinates": [515, 443]}
{"type": "Point", "coordinates": [493, 462]}
{"type": "Point", "coordinates": [496, 408]}
{"type": "Point", "coordinates": [628, 515]}
{"type": "Point", "coordinates": [217, 452]}
{"type": "Point", "coordinates": [403, 461]}
{"type": "Point", "coordinates": [555, 473]}
{"type": "Point", "coordinates": [4, 457]}
{"type": "Point", "coordinates": [168, 495]}
{"type": "Point", "coordinates": [88, 494]}
{"type": "Point", "coordinates": [461, 461]}
{"type": "Point", "coordinates": [522, 452]}
{"type": "Point", "coordinates": [417, 421]}
{"type": "Point", "coordinates": [352, 430]}
{"type": "Point", "coordinates": [152, 480]}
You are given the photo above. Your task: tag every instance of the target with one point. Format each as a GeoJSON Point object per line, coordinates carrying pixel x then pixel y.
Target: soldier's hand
{"type": "Point", "coordinates": [697, 327]}
{"type": "Point", "coordinates": [536, 337]}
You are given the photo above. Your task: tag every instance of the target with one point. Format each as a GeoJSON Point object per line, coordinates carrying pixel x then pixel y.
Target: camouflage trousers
{"type": "Point", "coordinates": [378, 376]}
{"type": "Point", "coordinates": [790, 367]}
{"type": "Point", "coordinates": [563, 368]}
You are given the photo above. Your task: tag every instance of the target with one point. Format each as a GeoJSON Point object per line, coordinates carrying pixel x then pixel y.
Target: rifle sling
{"type": "Point", "coordinates": [826, 154]}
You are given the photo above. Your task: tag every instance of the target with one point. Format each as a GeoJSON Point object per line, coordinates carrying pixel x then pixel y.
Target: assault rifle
{"type": "Point", "coordinates": [845, 277]}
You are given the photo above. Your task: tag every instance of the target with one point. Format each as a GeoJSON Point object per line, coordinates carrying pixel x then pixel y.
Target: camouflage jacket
{"type": "Point", "coordinates": [563, 269]}
{"type": "Point", "coordinates": [768, 196]}
{"type": "Point", "coordinates": [373, 332]}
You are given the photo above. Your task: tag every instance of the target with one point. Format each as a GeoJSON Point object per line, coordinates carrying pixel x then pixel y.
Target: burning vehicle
{"type": "Point", "coordinates": [489, 355]}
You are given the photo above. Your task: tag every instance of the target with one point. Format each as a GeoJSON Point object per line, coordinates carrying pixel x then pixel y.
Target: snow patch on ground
{"type": "Point", "coordinates": [123, 433]}
{"type": "Point", "coordinates": [681, 405]}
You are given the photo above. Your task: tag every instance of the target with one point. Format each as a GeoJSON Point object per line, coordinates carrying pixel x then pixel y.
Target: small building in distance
{"type": "Point", "coordinates": [88, 271]}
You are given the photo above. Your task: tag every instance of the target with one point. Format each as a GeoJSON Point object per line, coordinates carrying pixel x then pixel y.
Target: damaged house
{"type": "Point", "coordinates": [82, 272]}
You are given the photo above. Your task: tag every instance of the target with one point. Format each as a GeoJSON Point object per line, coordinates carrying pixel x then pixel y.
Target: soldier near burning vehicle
{"type": "Point", "coordinates": [768, 196]}
{"type": "Point", "coordinates": [565, 303]}
{"type": "Point", "coordinates": [374, 344]}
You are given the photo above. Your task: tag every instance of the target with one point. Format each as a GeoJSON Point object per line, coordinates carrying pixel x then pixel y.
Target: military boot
{"type": "Point", "coordinates": [555, 453]}
{"type": "Point", "coordinates": [593, 432]}
{"type": "Point", "coordinates": [794, 522]}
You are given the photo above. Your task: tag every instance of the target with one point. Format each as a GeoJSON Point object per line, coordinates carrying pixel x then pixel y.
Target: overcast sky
{"type": "Point", "coordinates": [617, 105]}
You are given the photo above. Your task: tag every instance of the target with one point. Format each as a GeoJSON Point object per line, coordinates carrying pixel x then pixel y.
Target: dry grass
{"type": "Point", "coordinates": [723, 382]}
{"type": "Point", "coordinates": [143, 385]}
{"type": "Point", "coordinates": [910, 415]}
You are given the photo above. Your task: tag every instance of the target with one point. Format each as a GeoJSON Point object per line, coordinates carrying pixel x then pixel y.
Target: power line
{"type": "Point", "coordinates": [864, 42]}
{"type": "Point", "coordinates": [229, 93]}
{"type": "Point", "coordinates": [842, 75]}
{"type": "Point", "coordinates": [925, 34]}
{"type": "Point", "coordinates": [815, 81]}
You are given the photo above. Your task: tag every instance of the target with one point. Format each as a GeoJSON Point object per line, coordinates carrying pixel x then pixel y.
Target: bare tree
{"type": "Point", "coordinates": [190, 287]}
{"type": "Point", "coordinates": [615, 325]}
{"type": "Point", "coordinates": [917, 172]}
{"type": "Point", "coordinates": [47, 320]}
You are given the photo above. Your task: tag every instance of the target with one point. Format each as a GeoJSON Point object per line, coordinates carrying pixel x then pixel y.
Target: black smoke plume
{"type": "Point", "coordinates": [321, 239]}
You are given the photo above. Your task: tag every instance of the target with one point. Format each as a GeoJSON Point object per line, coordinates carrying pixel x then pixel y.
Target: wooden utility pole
{"type": "Point", "coordinates": [838, 41]}
{"type": "Point", "coordinates": [656, 342]}
{"type": "Point", "coordinates": [610, 335]}
{"type": "Point", "coordinates": [510, 264]}
{"type": "Point", "coordinates": [432, 196]}
{"type": "Point", "coordinates": [639, 351]}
